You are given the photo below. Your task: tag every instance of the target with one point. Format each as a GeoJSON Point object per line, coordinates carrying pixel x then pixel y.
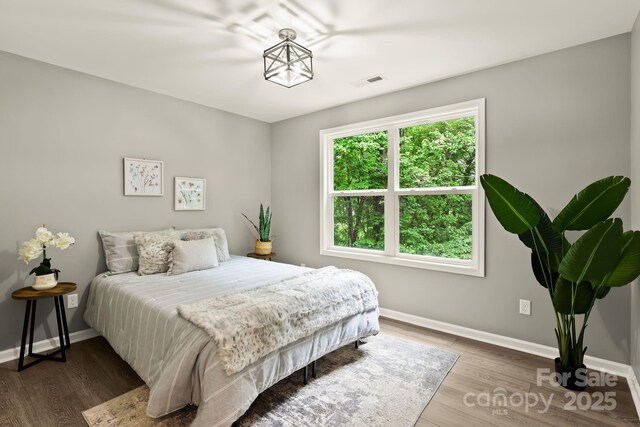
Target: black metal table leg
{"type": "Point", "coordinates": [60, 333]}
{"type": "Point", "coordinates": [64, 323]}
{"type": "Point", "coordinates": [33, 322]}
{"type": "Point", "coordinates": [23, 343]}
{"type": "Point", "coordinates": [29, 295]}
{"type": "Point", "coordinates": [28, 327]}
{"type": "Point", "coordinates": [313, 369]}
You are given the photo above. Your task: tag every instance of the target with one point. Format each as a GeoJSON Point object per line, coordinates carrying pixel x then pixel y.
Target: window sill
{"type": "Point", "coordinates": [466, 269]}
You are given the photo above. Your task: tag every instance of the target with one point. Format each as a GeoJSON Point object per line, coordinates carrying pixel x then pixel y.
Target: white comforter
{"type": "Point", "coordinates": [179, 362]}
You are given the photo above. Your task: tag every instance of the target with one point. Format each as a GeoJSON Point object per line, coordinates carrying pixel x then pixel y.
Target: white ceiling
{"type": "Point", "coordinates": [210, 52]}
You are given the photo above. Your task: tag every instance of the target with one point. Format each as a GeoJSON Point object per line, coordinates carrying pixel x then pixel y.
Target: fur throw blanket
{"type": "Point", "coordinates": [248, 325]}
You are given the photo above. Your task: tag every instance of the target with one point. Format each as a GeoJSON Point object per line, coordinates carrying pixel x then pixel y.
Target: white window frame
{"type": "Point", "coordinates": [391, 253]}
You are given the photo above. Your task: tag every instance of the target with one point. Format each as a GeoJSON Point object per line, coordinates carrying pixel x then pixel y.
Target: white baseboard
{"type": "Point", "coordinates": [597, 363]}
{"type": "Point", "coordinates": [634, 387]}
{"type": "Point", "coordinates": [48, 344]}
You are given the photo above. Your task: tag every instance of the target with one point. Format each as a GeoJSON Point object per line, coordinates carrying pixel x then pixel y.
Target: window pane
{"type": "Point", "coordinates": [438, 154]}
{"type": "Point", "coordinates": [359, 222]}
{"type": "Point", "coordinates": [436, 225]}
{"type": "Point", "coordinates": [360, 162]}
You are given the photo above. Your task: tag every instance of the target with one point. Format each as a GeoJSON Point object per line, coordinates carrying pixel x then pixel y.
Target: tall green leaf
{"type": "Point", "coordinates": [594, 254]}
{"type": "Point", "coordinates": [543, 275]}
{"type": "Point", "coordinates": [593, 204]}
{"type": "Point", "coordinates": [563, 299]}
{"type": "Point", "coordinates": [267, 225]}
{"type": "Point", "coordinates": [515, 210]}
{"type": "Point", "coordinates": [261, 222]}
{"type": "Point", "coordinates": [543, 237]}
{"type": "Point", "coordinates": [628, 267]}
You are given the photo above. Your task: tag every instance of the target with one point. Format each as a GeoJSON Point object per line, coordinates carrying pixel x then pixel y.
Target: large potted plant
{"type": "Point", "coordinates": [576, 274]}
{"type": "Point", "coordinates": [263, 242]}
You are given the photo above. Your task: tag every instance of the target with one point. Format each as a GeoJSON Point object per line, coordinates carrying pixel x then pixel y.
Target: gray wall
{"type": "Point", "coordinates": [635, 189]}
{"type": "Point", "coordinates": [63, 135]}
{"type": "Point", "coordinates": [555, 123]}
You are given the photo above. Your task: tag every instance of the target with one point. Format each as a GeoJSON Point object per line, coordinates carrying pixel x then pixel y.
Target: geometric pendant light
{"type": "Point", "coordinates": [288, 63]}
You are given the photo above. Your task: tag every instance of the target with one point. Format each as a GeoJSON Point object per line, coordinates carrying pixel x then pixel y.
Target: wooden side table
{"type": "Point", "coordinates": [258, 256]}
{"type": "Point", "coordinates": [32, 296]}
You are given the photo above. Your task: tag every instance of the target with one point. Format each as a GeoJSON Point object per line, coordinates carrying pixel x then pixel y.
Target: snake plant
{"type": "Point", "coordinates": [264, 224]}
{"type": "Point", "coordinates": [577, 274]}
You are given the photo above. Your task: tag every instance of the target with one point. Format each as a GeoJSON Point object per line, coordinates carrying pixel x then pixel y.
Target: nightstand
{"type": "Point", "coordinates": [31, 296]}
{"type": "Point", "coordinates": [265, 257]}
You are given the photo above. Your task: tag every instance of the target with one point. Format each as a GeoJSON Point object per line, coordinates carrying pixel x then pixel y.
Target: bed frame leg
{"type": "Point", "coordinates": [357, 343]}
{"type": "Point", "coordinates": [313, 369]}
{"type": "Point", "coordinates": [305, 374]}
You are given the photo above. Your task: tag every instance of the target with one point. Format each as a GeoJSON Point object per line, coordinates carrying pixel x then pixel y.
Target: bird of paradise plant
{"type": "Point", "coordinates": [576, 274]}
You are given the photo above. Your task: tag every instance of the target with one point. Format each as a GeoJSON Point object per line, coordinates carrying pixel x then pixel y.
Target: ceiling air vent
{"type": "Point", "coordinates": [369, 80]}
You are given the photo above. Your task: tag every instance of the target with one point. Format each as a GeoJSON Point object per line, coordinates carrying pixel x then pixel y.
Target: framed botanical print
{"type": "Point", "coordinates": [143, 177]}
{"type": "Point", "coordinates": [189, 194]}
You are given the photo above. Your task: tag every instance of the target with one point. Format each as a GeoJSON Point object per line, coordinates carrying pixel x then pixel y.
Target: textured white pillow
{"type": "Point", "coordinates": [191, 255]}
{"type": "Point", "coordinates": [154, 257]}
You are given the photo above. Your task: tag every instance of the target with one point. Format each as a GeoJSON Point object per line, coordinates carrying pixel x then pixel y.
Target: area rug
{"type": "Point", "coordinates": [387, 381]}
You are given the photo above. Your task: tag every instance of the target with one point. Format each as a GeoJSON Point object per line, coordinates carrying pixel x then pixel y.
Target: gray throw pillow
{"type": "Point", "coordinates": [193, 255]}
{"type": "Point", "coordinates": [218, 235]}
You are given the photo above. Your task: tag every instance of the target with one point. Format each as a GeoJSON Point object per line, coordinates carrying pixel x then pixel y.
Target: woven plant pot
{"type": "Point", "coordinates": [263, 248]}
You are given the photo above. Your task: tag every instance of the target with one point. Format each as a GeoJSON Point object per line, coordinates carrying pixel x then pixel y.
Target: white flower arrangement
{"type": "Point", "coordinates": [33, 248]}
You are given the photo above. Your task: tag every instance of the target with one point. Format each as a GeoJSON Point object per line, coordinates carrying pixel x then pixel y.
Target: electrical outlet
{"type": "Point", "coordinates": [525, 307]}
{"type": "Point", "coordinates": [302, 264]}
{"type": "Point", "coordinates": [72, 301]}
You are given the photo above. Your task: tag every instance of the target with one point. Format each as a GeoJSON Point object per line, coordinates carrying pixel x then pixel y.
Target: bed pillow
{"type": "Point", "coordinates": [218, 235]}
{"type": "Point", "coordinates": [154, 256]}
{"type": "Point", "coordinates": [192, 255]}
{"type": "Point", "coordinates": [120, 250]}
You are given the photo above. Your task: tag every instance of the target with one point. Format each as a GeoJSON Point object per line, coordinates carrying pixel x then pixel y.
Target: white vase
{"type": "Point", "coordinates": [46, 281]}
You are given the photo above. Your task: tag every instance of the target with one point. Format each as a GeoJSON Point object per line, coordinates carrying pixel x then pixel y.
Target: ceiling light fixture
{"type": "Point", "coordinates": [287, 63]}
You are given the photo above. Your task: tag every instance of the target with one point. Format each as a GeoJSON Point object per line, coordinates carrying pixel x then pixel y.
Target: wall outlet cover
{"type": "Point", "coordinates": [72, 301]}
{"type": "Point", "coordinates": [525, 307]}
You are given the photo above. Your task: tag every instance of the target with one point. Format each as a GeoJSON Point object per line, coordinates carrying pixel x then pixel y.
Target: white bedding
{"type": "Point", "coordinates": [138, 316]}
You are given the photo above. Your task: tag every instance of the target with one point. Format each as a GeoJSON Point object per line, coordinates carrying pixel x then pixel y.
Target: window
{"type": "Point", "coordinates": [405, 190]}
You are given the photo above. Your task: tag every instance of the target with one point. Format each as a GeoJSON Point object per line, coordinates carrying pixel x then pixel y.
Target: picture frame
{"type": "Point", "coordinates": [189, 194]}
{"type": "Point", "coordinates": [143, 177]}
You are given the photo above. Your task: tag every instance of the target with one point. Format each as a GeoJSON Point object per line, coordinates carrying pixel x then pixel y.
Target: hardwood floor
{"type": "Point", "coordinates": [485, 371]}
{"type": "Point", "coordinates": [54, 394]}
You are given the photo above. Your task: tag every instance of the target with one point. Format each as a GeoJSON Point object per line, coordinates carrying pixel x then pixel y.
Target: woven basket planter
{"type": "Point", "coordinates": [263, 248]}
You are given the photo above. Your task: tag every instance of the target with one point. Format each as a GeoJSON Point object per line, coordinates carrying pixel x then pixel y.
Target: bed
{"type": "Point", "coordinates": [178, 360]}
